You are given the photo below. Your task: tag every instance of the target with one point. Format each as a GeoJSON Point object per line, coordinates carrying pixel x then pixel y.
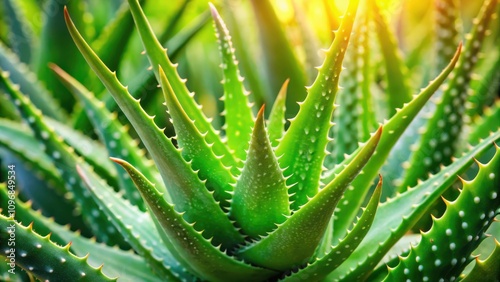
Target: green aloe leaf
{"type": "Point", "coordinates": [398, 89]}
{"type": "Point", "coordinates": [90, 150]}
{"type": "Point", "coordinates": [146, 79]}
{"type": "Point", "coordinates": [447, 32]}
{"type": "Point", "coordinates": [396, 216]}
{"type": "Point", "coordinates": [21, 36]}
{"type": "Point", "coordinates": [439, 142]}
{"type": "Point", "coordinates": [485, 89]}
{"type": "Point", "coordinates": [52, 196]}
{"type": "Point", "coordinates": [116, 261]}
{"type": "Point", "coordinates": [29, 84]}
{"type": "Point", "coordinates": [319, 268]}
{"type": "Point", "coordinates": [445, 250]}
{"type": "Point", "coordinates": [66, 161]}
{"type": "Point", "coordinates": [186, 190]}
{"type": "Point", "coordinates": [354, 119]}
{"type": "Point", "coordinates": [207, 261]}
{"type": "Point", "coordinates": [19, 140]}
{"type": "Point", "coordinates": [53, 34]}
{"type": "Point", "coordinates": [488, 122]}
{"type": "Point", "coordinates": [294, 241]}
{"type": "Point", "coordinates": [302, 149]}
{"type": "Point", "coordinates": [112, 41]}
{"type": "Point", "coordinates": [237, 110]}
{"type": "Point", "coordinates": [486, 270]}
{"type": "Point", "coordinates": [393, 129]}
{"type": "Point", "coordinates": [276, 123]}
{"type": "Point", "coordinates": [136, 226]}
{"type": "Point", "coordinates": [196, 149]}
{"type": "Point", "coordinates": [158, 57]}
{"type": "Point", "coordinates": [43, 258]}
{"type": "Point", "coordinates": [261, 187]}
{"type": "Point", "coordinates": [114, 135]}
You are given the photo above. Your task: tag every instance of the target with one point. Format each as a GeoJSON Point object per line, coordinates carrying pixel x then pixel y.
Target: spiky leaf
{"type": "Point", "coordinates": [302, 149]}
{"type": "Point", "coordinates": [293, 242]}
{"type": "Point", "coordinates": [204, 259]}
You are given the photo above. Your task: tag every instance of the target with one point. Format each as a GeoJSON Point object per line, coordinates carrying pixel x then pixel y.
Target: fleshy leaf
{"type": "Point", "coordinates": [115, 136]}
{"type": "Point", "coordinates": [158, 57]}
{"type": "Point", "coordinates": [43, 258]}
{"type": "Point", "coordinates": [90, 150]}
{"type": "Point", "coordinates": [445, 250]}
{"type": "Point", "coordinates": [29, 84]}
{"type": "Point", "coordinates": [486, 270]}
{"type": "Point", "coordinates": [237, 110]}
{"type": "Point", "coordinates": [20, 33]}
{"type": "Point", "coordinates": [66, 161]}
{"type": "Point", "coordinates": [207, 261]}
{"type": "Point", "coordinates": [52, 196]}
{"type": "Point", "coordinates": [439, 141]}
{"type": "Point", "coordinates": [136, 226]}
{"type": "Point", "coordinates": [485, 89]}
{"type": "Point", "coordinates": [276, 124]}
{"type": "Point", "coordinates": [261, 187]}
{"type": "Point", "coordinates": [302, 149]}
{"type": "Point", "coordinates": [486, 124]}
{"type": "Point", "coordinates": [354, 119]}
{"type": "Point", "coordinates": [393, 129]}
{"type": "Point", "coordinates": [115, 260]}
{"type": "Point", "coordinates": [196, 150]}
{"type": "Point", "coordinates": [187, 191]}
{"type": "Point", "coordinates": [294, 241]}
{"type": "Point", "coordinates": [321, 267]}
{"type": "Point", "coordinates": [67, 57]}
{"type": "Point", "coordinates": [447, 33]}
{"type": "Point", "coordinates": [396, 216]}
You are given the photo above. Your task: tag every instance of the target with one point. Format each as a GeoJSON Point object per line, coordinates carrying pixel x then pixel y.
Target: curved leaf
{"type": "Point", "coordinates": [207, 261]}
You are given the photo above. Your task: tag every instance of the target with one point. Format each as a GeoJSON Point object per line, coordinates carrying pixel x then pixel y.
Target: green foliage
{"type": "Point", "coordinates": [242, 198]}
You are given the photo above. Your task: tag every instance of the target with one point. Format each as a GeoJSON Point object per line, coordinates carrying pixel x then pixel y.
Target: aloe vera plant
{"type": "Point", "coordinates": [257, 199]}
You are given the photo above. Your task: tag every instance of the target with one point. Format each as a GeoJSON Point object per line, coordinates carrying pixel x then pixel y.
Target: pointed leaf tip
{"type": "Point", "coordinates": [213, 10]}
{"type": "Point", "coordinates": [260, 114]}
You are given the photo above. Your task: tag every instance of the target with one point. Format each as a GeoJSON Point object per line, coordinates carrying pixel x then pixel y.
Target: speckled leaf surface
{"type": "Point", "coordinates": [445, 250]}
{"type": "Point", "coordinates": [261, 187]}
{"type": "Point", "coordinates": [196, 150]}
{"type": "Point", "coordinates": [302, 149]}
{"type": "Point", "coordinates": [438, 142]}
{"type": "Point", "coordinates": [65, 159]}
{"type": "Point", "coordinates": [186, 190]}
{"type": "Point", "coordinates": [203, 258]}
{"type": "Point", "coordinates": [294, 241]}
{"type": "Point", "coordinates": [43, 258]}
{"type": "Point", "coordinates": [135, 226]}
{"type": "Point", "coordinates": [115, 136]}
{"type": "Point", "coordinates": [393, 129]}
{"type": "Point", "coordinates": [237, 110]}
{"type": "Point", "coordinates": [396, 216]}
{"type": "Point", "coordinates": [320, 267]}
{"type": "Point", "coordinates": [158, 57]}
{"type": "Point", "coordinates": [115, 260]}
